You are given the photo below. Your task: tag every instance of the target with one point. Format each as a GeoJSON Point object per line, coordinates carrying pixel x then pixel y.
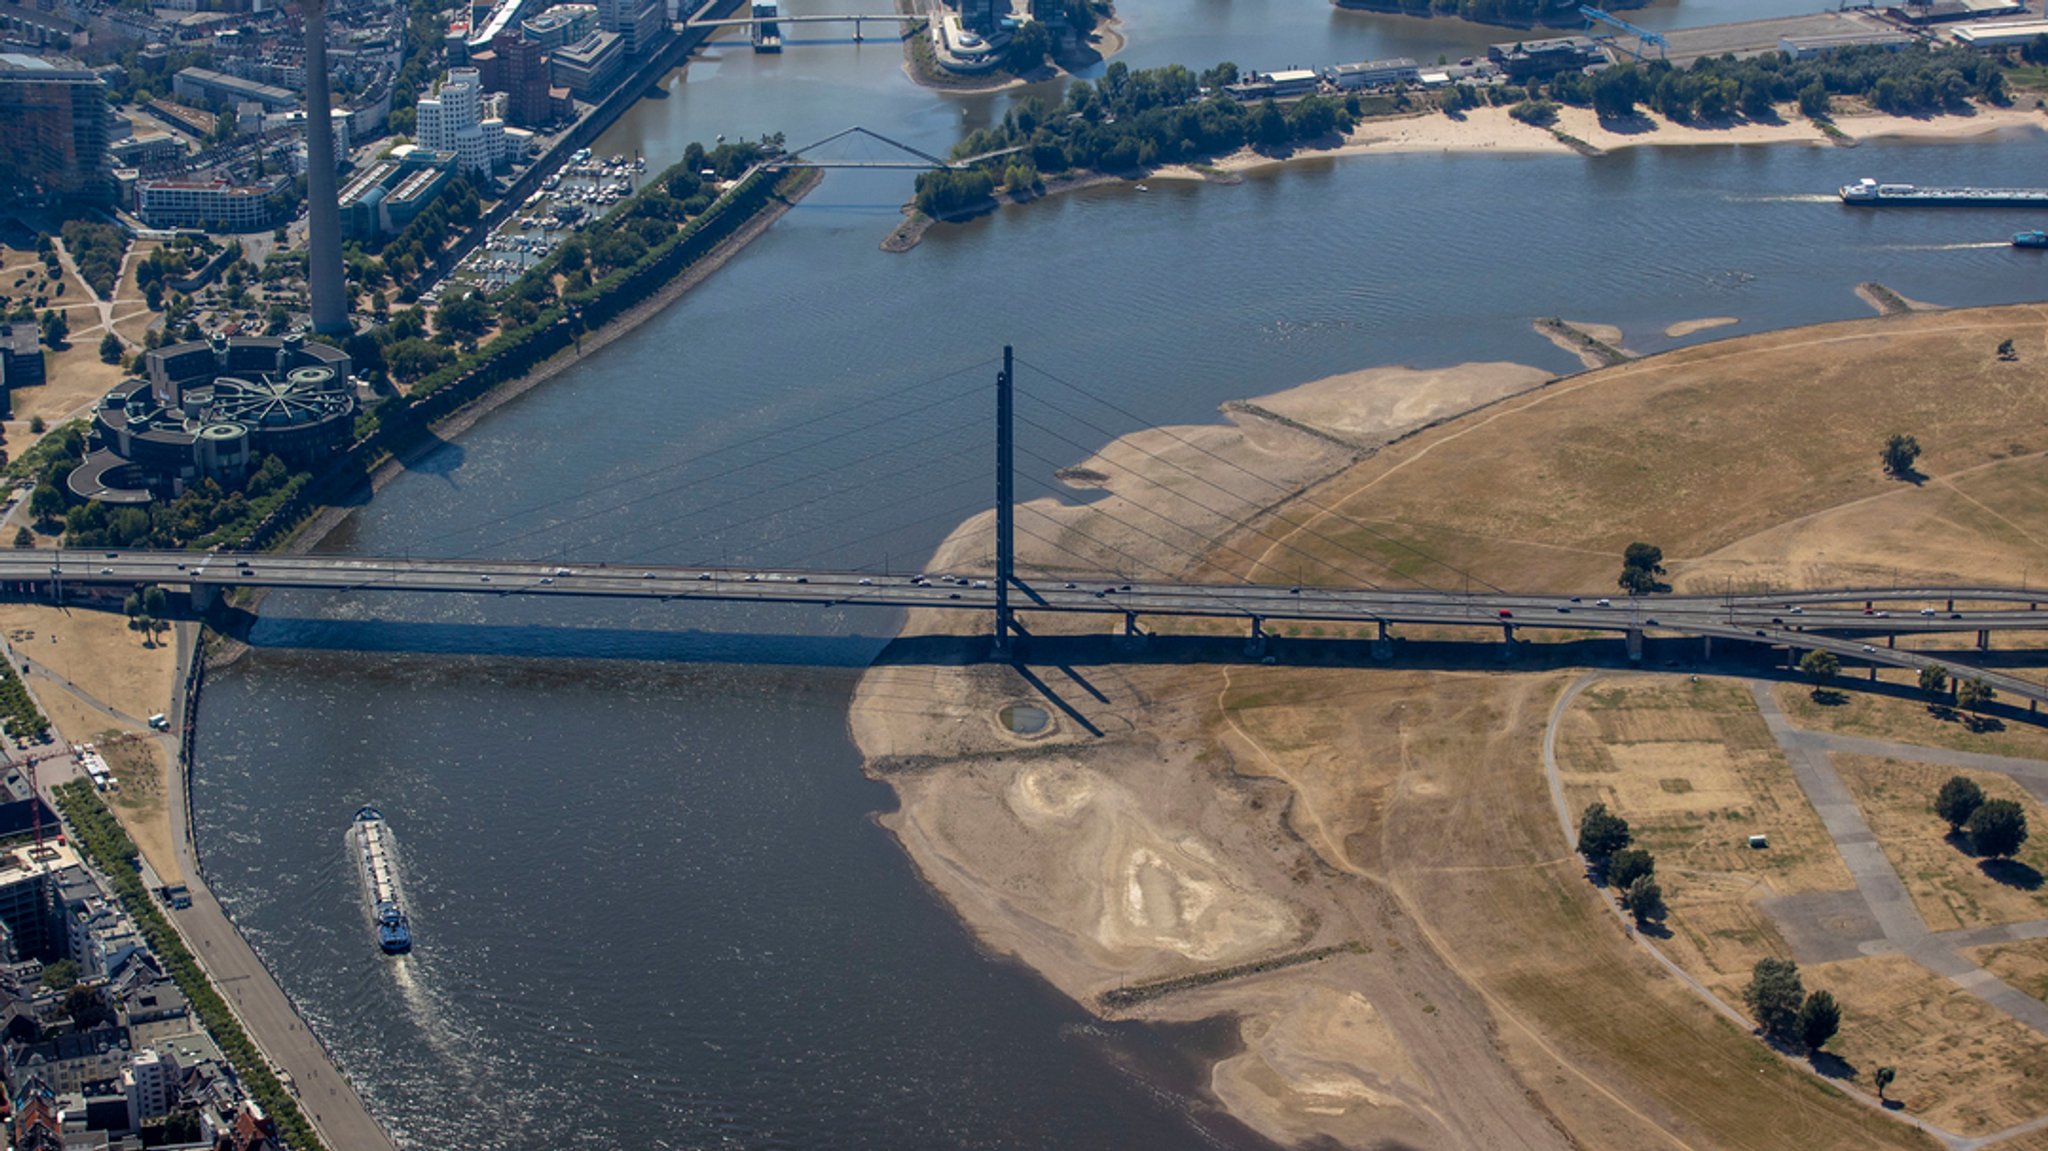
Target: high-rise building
{"type": "Point", "coordinates": [56, 115]}
{"type": "Point", "coordinates": [151, 1084]}
{"type": "Point", "coordinates": [323, 198]}
{"type": "Point", "coordinates": [639, 23]}
{"type": "Point", "coordinates": [982, 15]}
{"type": "Point", "coordinates": [452, 120]}
{"type": "Point", "coordinates": [518, 67]}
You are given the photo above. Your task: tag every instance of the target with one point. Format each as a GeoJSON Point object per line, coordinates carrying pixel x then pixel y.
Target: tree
{"type": "Point", "coordinates": [1974, 694]}
{"type": "Point", "coordinates": [1813, 101]}
{"type": "Point", "coordinates": [1628, 865]}
{"type": "Point", "coordinates": [46, 503]}
{"type": "Point", "coordinates": [1775, 996]}
{"type": "Point", "coordinates": [1900, 450]}
{"type": "Point", "coordinates": [1884, 1078]}
{"type": "Point", "coordinates": [1644, 900]}
{"type": "Point", "coordinates": [464, 316]}
{"type": "Point", "coordinates": [111, 349]}
{"type": "Point", "coordinates": [59, 976]}
{"type": "Point", "coordinates": [1601, 833]}
{"type": "Point", "coordinates": [1028, 48]}
{"type": "Point", "coordinates": [1998, 828]}
{"type": "Point", "coordinates": [56, 328]}
{"type": "Point", "coordinates": [24, 538]}
{"type": "Point", "coordinates": [153, 597]}
{"type": "Point", "coordinates": [1819, 1018]}
{"type": "Point", "coordinates": [1641, 564]}
{"type": "Point", "coordinates": [86, 1007]}
{"type": "Point", "coordinates": [1958, 800]}
{"type": "Point", "coordinates": [36, 426]}
{"type": "Point", "coordinates": [1821, 667]}
{"type": "Point", "coordinates": [1934, 680]}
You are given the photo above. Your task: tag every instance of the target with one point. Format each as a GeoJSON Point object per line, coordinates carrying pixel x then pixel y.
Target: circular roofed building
{"type": "Point", "coordinates": [213, 410]}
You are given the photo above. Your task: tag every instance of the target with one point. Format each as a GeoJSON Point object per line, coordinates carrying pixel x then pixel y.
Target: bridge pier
{"type": "Point", "coordinates": [1256, 643]}
{"type": "Point", "coordinates": [856, 30]}
{"type": "Point", "coordinates": [1383, 646]}
{"type": "Point", "coordinates": [1707, 649]}
{"type": "Point", "coordinates": [1507, 642]}
{"type": "Point", "coordinates": [1983, 639]}
{"type": "Point", "coordinates": [1635, 645]}
{"type": "Point", "coordinates": [1891, 641]}
{"type": "Point", "coordinates": [1133, 634]}
{"type": "Point", "coordinates": [204, 596]}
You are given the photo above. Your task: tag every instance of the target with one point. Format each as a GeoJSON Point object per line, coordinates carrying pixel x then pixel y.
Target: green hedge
{"type": "Point", "coordinates": [100, 837]}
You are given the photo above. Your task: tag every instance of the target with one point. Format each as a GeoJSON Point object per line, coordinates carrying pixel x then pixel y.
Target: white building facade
{"type": "Point", "coordinates": [454, 119]}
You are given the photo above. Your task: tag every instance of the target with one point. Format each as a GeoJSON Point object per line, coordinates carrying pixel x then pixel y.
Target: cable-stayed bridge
{"type": "Point", "coordinates": [1860, 625]}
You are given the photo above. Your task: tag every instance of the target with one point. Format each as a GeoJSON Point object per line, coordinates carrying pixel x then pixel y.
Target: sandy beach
{"type": "Point", "coordinates": [1493, 130]}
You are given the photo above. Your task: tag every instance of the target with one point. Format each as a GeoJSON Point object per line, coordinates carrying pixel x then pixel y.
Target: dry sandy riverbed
{"type": "Point", "coordinates": [1136, 854]}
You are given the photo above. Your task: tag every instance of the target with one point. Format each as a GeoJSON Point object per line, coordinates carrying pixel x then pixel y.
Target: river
{"type": "Point", "coordinates": [651, 905]}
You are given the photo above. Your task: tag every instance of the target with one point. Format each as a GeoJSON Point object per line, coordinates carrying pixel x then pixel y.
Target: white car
{"type": "Point", "coordinates": [866, 582]}
{"type": "Point", "coordinates": [1927, 611]}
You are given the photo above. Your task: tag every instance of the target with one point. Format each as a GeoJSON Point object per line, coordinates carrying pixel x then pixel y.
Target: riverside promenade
{"type": "Point", "coordinates": [267, 1013]}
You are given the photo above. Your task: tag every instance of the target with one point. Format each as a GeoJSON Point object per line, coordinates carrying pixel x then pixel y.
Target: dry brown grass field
{"type": "Point", "coordinates": [1908, 721]}
{"type": "Point", "coordinates": [1691, 766]}
{"type": "Point", "coordinates": [1951, 887]}
{"type": "Point", "coordinates": [1962, 1064]}
{"type": "Point", "coordinates": [1464, 834]}
{"type": "Point", "coordinates": [1703, 448]}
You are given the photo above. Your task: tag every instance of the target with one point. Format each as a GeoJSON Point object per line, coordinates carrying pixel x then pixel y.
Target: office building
{"type": "Point", "coordinates": [206, 88]}
{"type": "Point", "coordinates": [590, 67]}
{"type": "Point", "coordinates": [518, 67]}
{"type": "Point", "coordinates": [639, 23]}
{"type": "Point", "coordinates": [56, 115]}
{"type": "Point", "coordinates": [561, 25]}
{"type": "Point", "coordinates": [215, 205]}
{"type": "Point", "coordinates": [452, 120]}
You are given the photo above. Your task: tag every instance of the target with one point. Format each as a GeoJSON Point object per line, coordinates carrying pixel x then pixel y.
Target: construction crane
{"type": "Point", "coordinates": [1644, 37]}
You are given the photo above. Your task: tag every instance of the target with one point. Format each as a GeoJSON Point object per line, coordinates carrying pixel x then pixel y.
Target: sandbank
{"type": "Point", "coordinates": [1116, 850]}
{"type": "Point", "coordinates": [1687, 327]}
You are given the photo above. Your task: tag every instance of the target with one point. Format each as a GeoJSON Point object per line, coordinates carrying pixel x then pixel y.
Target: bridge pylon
{"type": "Point", "coordinates": [1006, 503]}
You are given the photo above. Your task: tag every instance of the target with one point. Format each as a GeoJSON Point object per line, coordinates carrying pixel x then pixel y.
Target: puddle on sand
{"type": "Point", "coordinates": [1024, 719]}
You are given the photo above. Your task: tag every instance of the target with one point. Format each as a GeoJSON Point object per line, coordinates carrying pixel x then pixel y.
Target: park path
{"type": "Point", "coordinates": [1876, 879]}
{"type": "Point", "coordinates": [1877, 882]}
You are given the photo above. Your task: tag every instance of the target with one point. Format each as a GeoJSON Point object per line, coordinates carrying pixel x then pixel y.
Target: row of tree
{"type": "Point", "coordinates": [1784, 1011]}
{"type": "Point", "coordinates": [1128, 121]}
{"type": "Point", "coordinates": [1604, 839]}
{"type": "Point", "coordinates": [1916, 80]}
{"type": "Point", "coordinates": [108, 848]}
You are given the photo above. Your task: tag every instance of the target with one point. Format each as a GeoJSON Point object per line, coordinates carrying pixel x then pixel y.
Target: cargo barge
{"type": "Point", "coordinates": [1869, 193]}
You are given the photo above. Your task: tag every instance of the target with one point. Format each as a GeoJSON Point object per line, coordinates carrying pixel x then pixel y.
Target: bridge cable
{"type": "Point", "coordinates": [1197, 559]}
{"type": "Point", "coordinates": [673, 489]}
{"type": "Point", "coordinates": [1306, 528]}
{"type": "Point", "coordinates": [865, 404]}
{"type": "Point", "coordinates": [1302, 498]}
{"type": "Point", "coordinates": [922, 463]}
{"type": "Point", "coordinates": [1246, 526]}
